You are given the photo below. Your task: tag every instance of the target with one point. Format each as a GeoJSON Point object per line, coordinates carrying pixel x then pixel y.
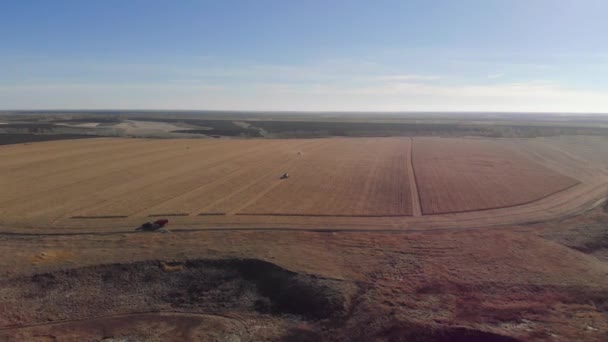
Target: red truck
{"type": "Point", "coordinates": [158, 225]}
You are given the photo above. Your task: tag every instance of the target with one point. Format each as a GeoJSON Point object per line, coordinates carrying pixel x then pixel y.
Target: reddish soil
{"type": "Point", "coordinates": [536, 282]}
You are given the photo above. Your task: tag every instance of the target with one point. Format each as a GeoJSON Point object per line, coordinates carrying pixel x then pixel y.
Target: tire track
{"type": "Point", "coordinates": [416, 208]}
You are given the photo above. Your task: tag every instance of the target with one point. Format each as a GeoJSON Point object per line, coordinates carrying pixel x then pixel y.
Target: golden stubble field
{"type": "Point", "coordinates": [383, 180]}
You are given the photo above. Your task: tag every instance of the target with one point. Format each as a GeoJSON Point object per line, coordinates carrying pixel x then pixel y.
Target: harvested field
{"type": "Point", "coordinates": [584, 148]}
{"type": "Point", "coordinates": [337, 183]}
{"type": "Point", "coordinates": [352, 177]}
{"type": "Point", "coordinates": [115, 178]}
{"type": "Point", "coordinates": [459, 175]}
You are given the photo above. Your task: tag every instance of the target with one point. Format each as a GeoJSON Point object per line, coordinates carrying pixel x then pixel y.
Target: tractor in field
{"type": "Point", "coordinates": [158, 225]}
{"type": "Point", "coordinates": [285, 176]}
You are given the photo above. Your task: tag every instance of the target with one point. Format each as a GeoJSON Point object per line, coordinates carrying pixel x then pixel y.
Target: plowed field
{"type": "Point", "coordinates": [459, 175]}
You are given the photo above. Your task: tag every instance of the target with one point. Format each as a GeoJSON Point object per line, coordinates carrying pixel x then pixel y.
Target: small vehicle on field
{"type": "Point", "coordinates": [157, 225]}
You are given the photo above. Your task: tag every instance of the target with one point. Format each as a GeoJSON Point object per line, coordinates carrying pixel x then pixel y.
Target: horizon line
{"type": "Point", "coordinates": [301, 111]}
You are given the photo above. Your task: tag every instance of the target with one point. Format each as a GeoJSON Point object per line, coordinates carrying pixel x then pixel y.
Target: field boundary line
{"type": "Point", "coordinates": [416, 202]}
{"type": "Point", "coordinates": [511, 205]}
{"type": "Point", "coordinates": [322, 215]}
{"type": "Point", "coordinates": [168, 214]}
{"type": "Point", "coordinates": [99, 217]}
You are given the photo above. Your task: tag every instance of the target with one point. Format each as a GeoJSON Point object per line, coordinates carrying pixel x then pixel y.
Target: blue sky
{"type": "Point", "coordinates": [528, 55]}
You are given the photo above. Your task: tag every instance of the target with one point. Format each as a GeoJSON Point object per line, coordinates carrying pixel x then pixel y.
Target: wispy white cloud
{"type": "Point", "coordinates": [325, 85]}
{"type": "Point", "coordinates": [408, 77]}
{"type": "Point", "coordinates": [403, 96]}
{"type": "Point", "coordinates": [82, 87]}
{"type": "Point", "coordinates": [496, 75]}
{"type": "Point", "coordinates": [537, 96]}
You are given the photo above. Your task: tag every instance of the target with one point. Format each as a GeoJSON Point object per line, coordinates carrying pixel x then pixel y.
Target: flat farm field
{"type": "Point", "coordinates": [353, 183]}
{"type": "Point", "coordinates": [460, 175]}
{"type": "Point", "coordinates": [119, 178]}
{"type": "Point", "coordinates": [349, 177]}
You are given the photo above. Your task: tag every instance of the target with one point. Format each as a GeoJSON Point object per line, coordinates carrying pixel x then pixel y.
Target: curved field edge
{"type": "Point", "coordinates": [465, 175]}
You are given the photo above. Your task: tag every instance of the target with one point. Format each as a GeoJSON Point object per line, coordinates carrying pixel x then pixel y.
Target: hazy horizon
{"type": "Point", "coordinates": [351, 56]}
